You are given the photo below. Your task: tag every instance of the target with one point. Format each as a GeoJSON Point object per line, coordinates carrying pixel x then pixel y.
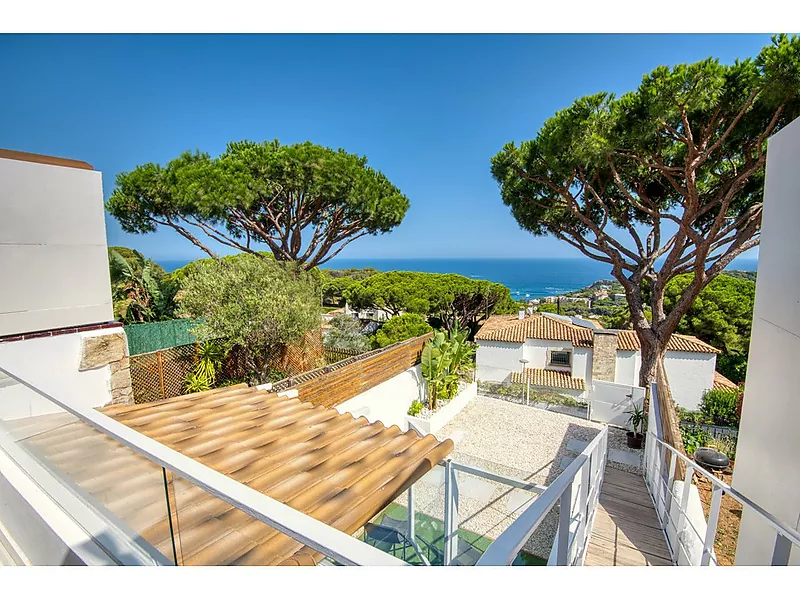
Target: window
{"type": "Point", "coordinates": [560, 358]}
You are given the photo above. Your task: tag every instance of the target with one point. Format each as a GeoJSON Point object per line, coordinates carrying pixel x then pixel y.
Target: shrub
{"type": "Point", "coordinates": [693, 438]}
{"type": "Point", "coordinates": [720, 407]}
{"type": "Point", "coordinates": [415, 408]}
{"type": "Point", "coordinates": [401, 327]}
{"type": "Point", "coordinates": [257, 305]}
{"type": "Point", "coordinates": [196, 383]}
{"type": "Point", "coordinates": [345, 334]}
{"type": "Point", "coordinates": [724, 444]}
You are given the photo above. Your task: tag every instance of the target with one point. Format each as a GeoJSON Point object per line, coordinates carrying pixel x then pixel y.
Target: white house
{"type": "Point", "coordinates": [567, 354]}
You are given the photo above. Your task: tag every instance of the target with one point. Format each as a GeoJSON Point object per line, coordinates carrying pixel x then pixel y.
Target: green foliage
{"type": "Point", "coordinates": [519, 392]}
{"type": "Point", "coordinates": [209, 359]}
{"type": "Point", "coordinates": [256, 305]}
{"type": "Point", "coordinates": [262, 193]}
{"type": "Point", "coordinates": [548, 307]}
{"type": "Point", "coordinates": [196, 383]}
{"type": "Point", "coordinates": [636, 418]}
{"type": "Point", "coordinates": [720, 407]}
{"type": "Point", "coordinates": [415, 408]}
{"type": "Point", "coordinates": [401, 327]}
{"type": "Point", "coordinates": [334, 289]}
{"type": "Point", "coordinates": [685, 151]}
{"type": "Point", "coordinates": [445, 359]}
{"type": "Point", "coordinates": [448, 298]}
{"type": "Point", "coordinates": [746, 275]}
{"type": "Point", "coordinates": [345, 334]}
{"type": "Point", "coordinates": [139, 288]}
{"type": "Point", "coordinates": [721, 315]}
{"type": "Point", "coordinates": [694, 437]}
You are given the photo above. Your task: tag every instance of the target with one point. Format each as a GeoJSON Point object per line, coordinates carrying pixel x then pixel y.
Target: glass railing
{"type": "Point", "coordinates": [144, 503]}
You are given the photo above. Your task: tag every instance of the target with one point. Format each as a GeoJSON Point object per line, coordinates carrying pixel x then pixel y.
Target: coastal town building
{"type": "Point", "coordinates": [568, 354]}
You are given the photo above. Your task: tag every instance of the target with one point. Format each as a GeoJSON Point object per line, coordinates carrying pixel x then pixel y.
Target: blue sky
{"type": "Point", "coordinates": [428, 111]}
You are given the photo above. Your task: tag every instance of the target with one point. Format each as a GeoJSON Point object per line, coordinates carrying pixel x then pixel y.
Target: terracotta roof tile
{"type": "Point", "coordinates": [723, 383]}
{"type": "Point", "coordinates": [628, 340]}
{"type": "Point", "coordinates": [551, 379]}
{"type": "Point", "coordinates": [333, 467]}
{"type": "Point", "coordinates": [508, 328]}
{"type": "Point", "coordinates": [536, 326]}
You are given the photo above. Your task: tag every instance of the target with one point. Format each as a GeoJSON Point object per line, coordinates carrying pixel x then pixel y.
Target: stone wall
{"type": "Point", "coordinates": [110, 350]}
{"type": "Point", "coordinates": [604, 355]}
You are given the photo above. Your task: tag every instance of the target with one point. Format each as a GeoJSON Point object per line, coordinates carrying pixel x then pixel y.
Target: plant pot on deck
{"type": "Point", "coordinates": [635, 440]}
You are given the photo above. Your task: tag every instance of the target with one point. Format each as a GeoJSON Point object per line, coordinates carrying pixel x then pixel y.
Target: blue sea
{"type": "Point", "coordinates": [525, 277]}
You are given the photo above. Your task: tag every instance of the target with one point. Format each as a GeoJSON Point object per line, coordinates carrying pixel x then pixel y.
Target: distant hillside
{"type": "Point", "coordinates": [748, 275]}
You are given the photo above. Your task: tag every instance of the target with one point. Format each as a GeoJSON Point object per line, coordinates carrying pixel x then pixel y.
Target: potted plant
{"type": "Point", "coordinates": [636, 420]}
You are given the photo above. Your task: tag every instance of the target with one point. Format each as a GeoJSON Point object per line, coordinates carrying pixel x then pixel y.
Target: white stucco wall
{"type": "Point", "coordinates": [536, 351]}
{"type": "Point", "coordinates": [53, 257]}
{"type": "Point", "coordinates": [496, 360]}
{"type": "Point", "coordinates": [767, 470]}
{"type": "Point", "coordinates": [582, 364]}
{"type": "Point", "coordinates": [629, 362]}
{"type": "Point", "coordinates": [389, 401]}
{"type": "Point", "coordinates": [689, 374]}
{"type": "Point", "coordinates": [51, 364]}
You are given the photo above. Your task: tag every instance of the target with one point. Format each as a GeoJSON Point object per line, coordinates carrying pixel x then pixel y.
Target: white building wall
{"type": "Point", "coordinates": [689, 374]}
{"type": "Point", "coordinates": [53, 258]}
{"type": "Point", "coordinates": [496, 360]}
{"type": "Point", "coordinates": [767, 467]}
{"type": "Point", "coordinates": [629, 362]}
{"type": "Point", "coordinates": [51, 365]}
{"type": "Point", "coordinates": [388, 402]}
{"type": "Point", "coordinates": [582, 364]}
{"type": "Point", "coordinates": [535, 351]}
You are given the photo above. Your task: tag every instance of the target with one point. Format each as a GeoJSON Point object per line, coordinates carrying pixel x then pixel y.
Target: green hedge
{"type": "Point", "coordinates": [149, 337]}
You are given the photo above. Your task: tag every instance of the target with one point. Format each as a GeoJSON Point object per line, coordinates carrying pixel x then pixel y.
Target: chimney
{"type": "Point", "coordinates": [604, 354]}
{"type": "Point", "coordinates": [521, 315]}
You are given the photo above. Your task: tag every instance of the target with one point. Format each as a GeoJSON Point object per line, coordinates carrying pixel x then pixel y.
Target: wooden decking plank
{"type": "Point", "coordinates": [626, 531]}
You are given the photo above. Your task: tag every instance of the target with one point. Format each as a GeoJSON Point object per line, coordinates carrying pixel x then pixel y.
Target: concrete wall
{"type": "Point", "coordinates": [389, 401]}
{"type": "Point", "coordinates": [53, 258]}
{"type": "Point", "coordinates": [496, 360]}
{"type": "Point", "coordinates": [767, 470]}
{"type": "Point", "coordinates": [53, 364]}
{"type": "Point", "coordinates": [690, 374]}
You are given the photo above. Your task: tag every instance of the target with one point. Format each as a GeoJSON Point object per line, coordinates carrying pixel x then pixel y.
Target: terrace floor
{"type": "Point", "coordinates": [626, 531]}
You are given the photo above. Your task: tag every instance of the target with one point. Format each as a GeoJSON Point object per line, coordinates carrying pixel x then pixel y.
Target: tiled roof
{"type": "Point", "coordinates": [508, 328]}
{"type": "Point", "coordinates": [537, 326]}
{"type": "Point", "coordinates": [333, 467]}
{"type": "Point", "coordinates": [628, 340]}
{"type": "Point", "coordinates": [723, 383]}
{"type": "Point", "coordinates": [551, 379]}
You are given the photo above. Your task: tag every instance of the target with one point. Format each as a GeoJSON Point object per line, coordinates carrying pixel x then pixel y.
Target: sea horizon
{"type": "Point", "coordinates": [524, 277]}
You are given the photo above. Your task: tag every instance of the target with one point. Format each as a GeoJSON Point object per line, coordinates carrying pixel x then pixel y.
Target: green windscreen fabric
{"type": "Point", "coordinates": [149, 337]}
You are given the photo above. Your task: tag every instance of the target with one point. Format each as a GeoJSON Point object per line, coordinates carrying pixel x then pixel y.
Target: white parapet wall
{"type": "Point", "coordinates": [85, 369]}
{"type": "Point", "coordinates": [445, 414]}
{"type": "Point", "coordinates": [388, 402]}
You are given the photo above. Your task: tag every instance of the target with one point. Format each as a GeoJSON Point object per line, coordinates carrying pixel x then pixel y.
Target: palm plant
{"type": "Point", "coordinates": [139, 296]}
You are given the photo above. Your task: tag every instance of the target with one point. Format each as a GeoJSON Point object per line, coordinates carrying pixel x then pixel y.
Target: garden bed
{"type": "Point", "coordinates": [430, 422]}
{"type": "Point", "coordinates": [730, 517]}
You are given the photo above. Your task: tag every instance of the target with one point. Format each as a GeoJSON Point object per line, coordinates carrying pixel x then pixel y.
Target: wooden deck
{"type": "Point", "coordinates": [626, 530]}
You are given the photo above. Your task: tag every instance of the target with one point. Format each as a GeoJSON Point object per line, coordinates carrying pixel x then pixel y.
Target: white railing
{"type": "Point", "coordinates": [577, 490]}
{"type": "Point", "coordinates": [323, 538]}
{"type": "Point", "coordinates": [690, 537]}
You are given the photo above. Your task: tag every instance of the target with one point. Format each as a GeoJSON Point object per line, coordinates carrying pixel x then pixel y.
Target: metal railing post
{"type": "Point", "coordinates": [783, 548]}
{"type": "Point", "coordinates": [411, 516]}
{"type": "Point", "coordinates": [450, 513]}
{"type": "Point", "coordinates": [564, 517]}
{"type": "Point", "coordinates": [711, 529]}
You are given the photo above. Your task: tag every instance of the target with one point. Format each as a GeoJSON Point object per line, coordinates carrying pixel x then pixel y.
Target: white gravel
{"type": "Point", "coordinates": [509, 439]}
